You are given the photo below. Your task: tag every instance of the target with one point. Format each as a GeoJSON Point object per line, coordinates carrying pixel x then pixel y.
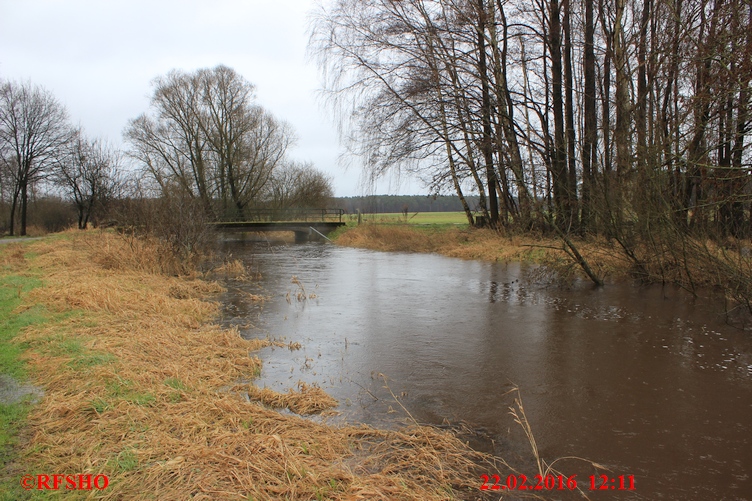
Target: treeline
{"type": "Point", "coordinates": [204, 150]}
{"type": "Point", "coordinates": [376, 204]}
{"type": "Point", "coordinates": [617, 117]}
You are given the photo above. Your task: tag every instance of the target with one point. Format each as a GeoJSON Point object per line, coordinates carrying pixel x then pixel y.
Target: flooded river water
{"type": "Point", "coordinates": [646, 381]}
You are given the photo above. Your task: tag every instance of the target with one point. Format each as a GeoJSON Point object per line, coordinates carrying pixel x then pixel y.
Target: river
{"type": "Point", "coordinates": [646, 381]}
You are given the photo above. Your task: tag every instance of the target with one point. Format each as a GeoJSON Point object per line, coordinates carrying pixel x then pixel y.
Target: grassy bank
{"type": "Point", "coordinates": [141, 386]}
{"type": "Point", "coordinates": [698, 265]}
{"type": "Point", "coordinates": [472, 243]}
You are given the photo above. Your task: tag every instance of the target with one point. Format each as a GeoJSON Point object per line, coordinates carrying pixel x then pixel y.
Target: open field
{"type": "Point", "coordinates": [442, 218]}
{"type": "Point", "coordinates": [141, 386]}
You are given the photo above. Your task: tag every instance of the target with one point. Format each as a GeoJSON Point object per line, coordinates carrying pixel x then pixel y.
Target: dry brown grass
{"type": "Point", "coordinates": [696, 264]}
{"type": "Point", "coordinates": [12, 258]}
{"type": "Point", "coordinates": [388, 238]}
{"type": "Point", "coordinates": [127, 251]}
{"type": "Point", "coordinates": [232, 268]}
{"type": "Point", "coordinates": [140, 385]}
{"type": "Point", "coordinates": [33, 230]}
{"type": "Point", "coordinates": [307, 399]}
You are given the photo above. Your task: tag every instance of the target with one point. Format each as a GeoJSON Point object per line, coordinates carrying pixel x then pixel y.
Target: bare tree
{"type": "Point", "coordinates": [208, 138]}
{"type": "Point", "coordinates": [405, 77]}
{"type": "Point", "coordinates": [34, 129]}
{"type": "Point", "coordinates": [655, 132]}
{"type": "Point", "coordinates": [89, 174]}
{"type": "Point", "coordinates": [298, 185]}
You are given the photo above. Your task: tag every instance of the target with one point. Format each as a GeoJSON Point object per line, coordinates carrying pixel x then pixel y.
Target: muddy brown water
{"type": "Point", "coordinates": [646, 381]}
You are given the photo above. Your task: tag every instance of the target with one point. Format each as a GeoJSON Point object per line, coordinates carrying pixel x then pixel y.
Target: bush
{"type": "Point", "coordinates": [46, 214]}
{"type": "Point", "coordinates": [178, 221]}
{"type": "Point", "coordinates": [52, 214]}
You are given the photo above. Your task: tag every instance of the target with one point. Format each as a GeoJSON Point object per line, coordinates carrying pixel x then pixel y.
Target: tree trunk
{"type": "Point", "coordinates": [506, 111]}
{"type": "Point", "coordinates": [487, 141]}
{"type": "Point", "coordinates": [623, 115]}
{"type": "Point", "coordinates": [742, 123]}
{"type": "Point", "coordinates": [605, 202]}
{"type": "Point", "coordinates": [693, 192]}
{"type": "Point", "coordinates": [558, 163]}
{"type": "Point", "coordinates": [13, 208]}
{"type": "Point", "coordinates": [24, 206]}
{"type": "Point", "coordinates": [572, 210]}
{"type": "Point", "coordinates": [590, 136]}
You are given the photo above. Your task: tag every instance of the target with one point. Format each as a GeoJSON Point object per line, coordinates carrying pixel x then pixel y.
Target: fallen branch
{"type": "Point", "coordinates": [575, 255]}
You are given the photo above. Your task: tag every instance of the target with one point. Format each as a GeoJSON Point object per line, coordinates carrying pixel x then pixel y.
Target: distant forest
{"type": "Point", "coordinates": [377, 204]}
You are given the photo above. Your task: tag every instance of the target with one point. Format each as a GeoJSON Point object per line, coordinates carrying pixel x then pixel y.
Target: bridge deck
{"type": "Point", "coordinates": [306, 223]}
{"type": "Point", "coordinates": [278, 225]}
{"type": "Point", "coordinates": [304, 230]}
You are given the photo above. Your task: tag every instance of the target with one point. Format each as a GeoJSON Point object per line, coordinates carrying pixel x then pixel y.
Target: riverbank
{"type": "Point", "coordinates": [140, 385]}
{"type": "Point", "coordinates": [487, 245]}
{"type": "Point", "coordinates": [699, 266]}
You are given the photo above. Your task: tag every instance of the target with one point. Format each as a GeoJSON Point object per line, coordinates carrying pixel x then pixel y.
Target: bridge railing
{"type": "Point", "coordinates": [307, 215]}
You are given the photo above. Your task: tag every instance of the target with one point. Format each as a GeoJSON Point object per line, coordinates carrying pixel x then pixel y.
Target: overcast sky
{"type": "Point", "coordinates": [98, 57]}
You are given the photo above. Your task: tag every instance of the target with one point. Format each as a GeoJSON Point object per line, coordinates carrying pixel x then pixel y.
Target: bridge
{"type": "Point", "coordinates": [308, 224]}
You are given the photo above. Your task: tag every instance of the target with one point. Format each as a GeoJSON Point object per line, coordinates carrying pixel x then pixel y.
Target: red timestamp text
{"type": "Point", "coordinates": [521, 482]}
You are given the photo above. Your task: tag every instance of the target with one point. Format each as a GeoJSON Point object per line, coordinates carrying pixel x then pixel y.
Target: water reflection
{"type": "Point", "coordinates": [648, 381]}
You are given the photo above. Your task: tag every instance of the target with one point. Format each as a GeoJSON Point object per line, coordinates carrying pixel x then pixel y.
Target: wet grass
{"type": "Point", "coordinates": [14, 317]}
{"type": "Point", "coordinates": [19, 279]}
{"type": "Point", "coordinates": [306, 400]}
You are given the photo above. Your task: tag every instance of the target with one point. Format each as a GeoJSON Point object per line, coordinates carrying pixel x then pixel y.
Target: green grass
{"type": "Point", "coordinates": [175, 384]}
{"type": "Point", "coordinates": [179, 386]}
{"type": "Point", "coordinates": [12, 321]}
{"type": "Point", "coordinates": [100, 405]}
{"type": "Point", "coordinates": [61, 343]}
{"type": "Point", "coordinates": [413, 218]}
{"type": "Point", "coordinates": [123, 389]}
{"type": "Point", "coordinates": [91, 359]}
{"type": "Point", "coordinates": [126, 460]}
{"type": "Point", "coordinates": [11, 416]}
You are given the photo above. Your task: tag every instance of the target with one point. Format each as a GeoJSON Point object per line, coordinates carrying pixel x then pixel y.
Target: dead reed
{"type": "Point", "coordinates": [232, 268]}
{"type": "Point", "coordinates": [308, 399]}
{"type": "Point", "coordinates": [141, 386]}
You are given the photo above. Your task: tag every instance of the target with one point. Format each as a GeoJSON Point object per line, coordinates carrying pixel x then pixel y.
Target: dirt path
{"type": "Point", "coordinates": [16, 240]}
